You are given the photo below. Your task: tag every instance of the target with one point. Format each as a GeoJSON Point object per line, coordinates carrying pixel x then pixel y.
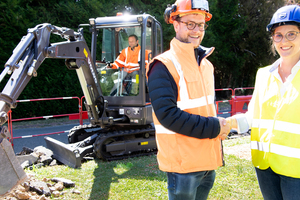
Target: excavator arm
{"type": "Point", "coordinates": [30, 53]}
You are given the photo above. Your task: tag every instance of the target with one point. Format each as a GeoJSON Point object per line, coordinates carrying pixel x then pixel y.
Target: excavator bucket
{"type": "Point", "coordinates": [11, 172]}
{"type": "Point", "coordinates": [70, 154]}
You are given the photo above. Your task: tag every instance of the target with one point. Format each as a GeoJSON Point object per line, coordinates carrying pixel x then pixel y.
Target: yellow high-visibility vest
{"type": "Point", "coordinates": [275, 131]}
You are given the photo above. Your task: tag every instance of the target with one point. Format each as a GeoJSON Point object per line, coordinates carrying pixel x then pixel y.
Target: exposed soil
{"type": "Point", "coordinates": [241, 151]}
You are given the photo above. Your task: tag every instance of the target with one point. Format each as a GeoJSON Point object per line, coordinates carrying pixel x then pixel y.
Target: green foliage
{"type": "Point", "coordinates": [224, 32]}
{"type": "Point", "coordinates": [238, 31]}
{"type": "Point", "coordinates": [54, 79]}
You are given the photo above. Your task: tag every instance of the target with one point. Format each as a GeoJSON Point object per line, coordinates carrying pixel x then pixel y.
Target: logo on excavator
{"type": "Point", "coordinates": [90, 65]}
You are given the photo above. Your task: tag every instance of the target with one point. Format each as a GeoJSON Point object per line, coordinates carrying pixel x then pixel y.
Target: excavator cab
{"type": "Point", "coordinates": [126, 92]}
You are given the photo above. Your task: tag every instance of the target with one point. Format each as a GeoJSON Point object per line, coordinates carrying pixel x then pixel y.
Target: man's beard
{"type": "Point", "coordinates": [186, 40]}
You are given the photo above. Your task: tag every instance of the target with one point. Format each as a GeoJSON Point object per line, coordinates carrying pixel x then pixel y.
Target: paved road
{"type": "Point", "coordinates": [33, 142]}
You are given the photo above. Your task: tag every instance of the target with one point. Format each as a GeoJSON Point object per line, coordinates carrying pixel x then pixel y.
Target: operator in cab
{"type": "Point", "coordinates": [128, 63]}
{"type": "Point", "coordinates": [129, 57]}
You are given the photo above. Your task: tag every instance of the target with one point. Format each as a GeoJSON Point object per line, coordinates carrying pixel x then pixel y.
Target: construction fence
{"type": "Point", "coordinates": [228, 102]}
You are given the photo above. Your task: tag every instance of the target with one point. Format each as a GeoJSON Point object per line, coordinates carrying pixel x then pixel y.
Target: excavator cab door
{"type": "Point", "coordinates": [122, 81]}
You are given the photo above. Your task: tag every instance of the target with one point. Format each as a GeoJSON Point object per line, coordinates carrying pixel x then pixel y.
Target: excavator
{"type": "Point", "coordinates": [120, 121]}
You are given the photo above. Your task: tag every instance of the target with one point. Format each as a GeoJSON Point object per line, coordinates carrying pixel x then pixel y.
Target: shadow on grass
{"type": "Point", "coordinates": [133, 178]}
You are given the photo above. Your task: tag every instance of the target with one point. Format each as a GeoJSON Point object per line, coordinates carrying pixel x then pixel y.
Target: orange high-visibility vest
{"type": "Point", "coordinates": [275, 131]}
{"type": "Point", "coordinates": [176, 152]}
{"type": "Point", "coordinates": [129, 60]}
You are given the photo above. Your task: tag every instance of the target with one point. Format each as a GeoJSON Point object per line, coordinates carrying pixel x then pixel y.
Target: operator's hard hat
{"type": "Point", "coordinates": [183, 7]}
{"type": "Point", "coordinates": [286, 15]}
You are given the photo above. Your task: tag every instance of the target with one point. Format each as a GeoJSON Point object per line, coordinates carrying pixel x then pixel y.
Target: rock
{"type": "Point", "coordinates": [49, 185]}
{"type": "Point", "coordinates": [46, 160]}
{"type": "Point", "coordinates": [53, 163]}
{"type": "Point", "coordinates": [21, 195]}
{"type": "Point", "coordinates": [40, 150]}
{"type": "Point", "coordinates": [25, 151]}
{"type": "Point", "coordinates": [67, 182]}
{"type": "Point", "coordinates": [33, 189]}
{"type": "Point", "coordinates": [43, 198]}
{"type": "Point", "coordinates": [35, 154]}
{"type": "Point", "coordinates": [40, 187]}
{"type": "Point", "coordinates": [59, 186]}
{"type": "Point", "coordinates": [30, 176]}
{"type": "Point", "coordinates": [37, 190]}
{"type": "Point", "coordinates": [34, 198]}
{"type": "Point", "coordinates": [45, 179]}
{"type": "Point", "coordinates": [12, 198]}
{"type": "Point", "coordinates": [52, 189]}
{"type": "Point", "coordinates": [56, 194]}
{"type": "Point", "coordinates": [76, 191]}
{"type": "Point", "coordinates": [26, 185]}
{"type": "Point", "coordinates": [21, 188]}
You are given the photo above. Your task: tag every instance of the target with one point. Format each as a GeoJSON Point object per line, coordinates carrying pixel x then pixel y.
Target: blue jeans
{"type": "Point", "coordinates": [195, 185]}
{"type": "Point", "coordinates": [274, 186]}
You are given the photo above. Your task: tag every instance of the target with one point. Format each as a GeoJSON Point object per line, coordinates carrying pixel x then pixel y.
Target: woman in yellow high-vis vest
{"type": "Point", "coordinates": [273, 112]}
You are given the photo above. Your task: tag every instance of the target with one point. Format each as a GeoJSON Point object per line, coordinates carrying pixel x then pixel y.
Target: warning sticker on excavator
{"type": "Point", "coordinates": [144, 143]}
{"type": "Point", "coordinates": [85, 52]}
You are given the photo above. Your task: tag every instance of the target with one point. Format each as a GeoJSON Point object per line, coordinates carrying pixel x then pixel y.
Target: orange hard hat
{"type": "Point", "coordinates": [182, 7]}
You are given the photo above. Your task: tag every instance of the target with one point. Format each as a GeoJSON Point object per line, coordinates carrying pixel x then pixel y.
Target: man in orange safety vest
{"type": "Point", "coordinates": [128, 63]}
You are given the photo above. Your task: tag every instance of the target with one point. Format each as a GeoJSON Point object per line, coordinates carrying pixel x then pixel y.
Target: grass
{"type": "Point", "coordinates": [139, 178]}
{"type": "Point", "coordinates": [239, 141]}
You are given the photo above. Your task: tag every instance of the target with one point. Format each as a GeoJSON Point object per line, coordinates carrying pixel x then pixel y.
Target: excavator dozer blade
{"type": "Point", "coordinates": [11, 172]}
{"type": "Point", "coordinates": [68, 154]}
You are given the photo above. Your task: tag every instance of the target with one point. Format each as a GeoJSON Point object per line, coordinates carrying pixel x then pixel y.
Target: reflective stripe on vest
{"type": "Point", "coordinates": [275, 148]}
{"type": "Point", "coordinates": [279, 125]}
{"type": "Point", "coordinates": [135, 65]}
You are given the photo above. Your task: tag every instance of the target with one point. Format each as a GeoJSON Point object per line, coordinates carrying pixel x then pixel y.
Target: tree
{"type": "Point", "coordinates": [54, 79]}
{"type": "Point", "coordinates": [256, 43]}
{"type": "Point", "coordinates": [224, 33]}
{"type": "Point", "coordinates": [238, 31]}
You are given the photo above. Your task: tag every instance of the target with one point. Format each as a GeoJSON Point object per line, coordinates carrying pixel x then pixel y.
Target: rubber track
{"type": "Point", "coordinates": [103, 137]}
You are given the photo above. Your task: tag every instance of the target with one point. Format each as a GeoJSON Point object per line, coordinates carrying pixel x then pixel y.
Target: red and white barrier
{"type": "Point", "coordinates": [10, 120]}
{"type": "Point", "coordinates": [237, 104]}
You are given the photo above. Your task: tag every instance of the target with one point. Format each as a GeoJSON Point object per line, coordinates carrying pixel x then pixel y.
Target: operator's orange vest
{"type": "Point", "coordinates": [176, 152]}
{"type": "Point", "coordinates": [129, 59]}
